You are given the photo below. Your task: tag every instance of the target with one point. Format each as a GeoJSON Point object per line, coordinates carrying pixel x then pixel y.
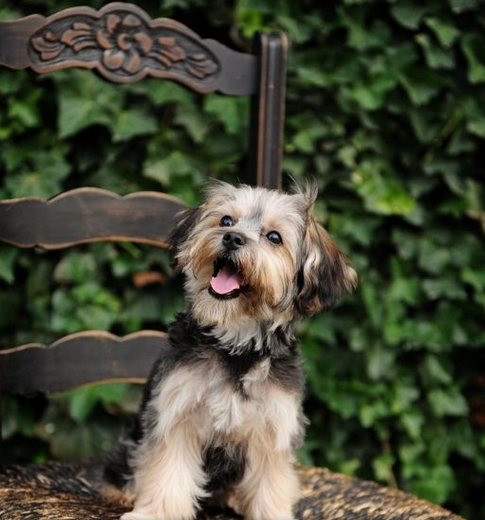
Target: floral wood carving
{"type": "Point", "coordinates": [124, 45]}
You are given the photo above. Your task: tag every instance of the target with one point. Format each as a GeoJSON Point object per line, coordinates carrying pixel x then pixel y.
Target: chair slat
{"type": "Point", "coordinates": [79, 359]}
{"type": "Point", "coordinates": [88, 215]}
{"type": "Point", "coordinates": [125, 45]}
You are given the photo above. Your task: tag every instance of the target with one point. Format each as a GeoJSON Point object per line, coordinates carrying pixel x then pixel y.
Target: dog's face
{"type": "Point", "coordinates": [251, 254]}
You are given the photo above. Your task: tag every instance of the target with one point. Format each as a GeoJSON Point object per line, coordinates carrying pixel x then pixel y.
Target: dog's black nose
{"type": "Point", "coordinates": [232, 241]}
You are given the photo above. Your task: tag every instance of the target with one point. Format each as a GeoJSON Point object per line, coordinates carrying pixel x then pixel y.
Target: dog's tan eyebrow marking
{"type": "Point", "coordinates": [211, 214]}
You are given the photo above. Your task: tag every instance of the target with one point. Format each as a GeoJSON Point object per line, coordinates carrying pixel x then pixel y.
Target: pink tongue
{"type": "Point", "coordinates": [226, 281]}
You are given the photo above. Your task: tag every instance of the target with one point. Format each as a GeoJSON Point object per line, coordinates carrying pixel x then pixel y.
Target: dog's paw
{"type": "Point", "coordinates": [132, 515]}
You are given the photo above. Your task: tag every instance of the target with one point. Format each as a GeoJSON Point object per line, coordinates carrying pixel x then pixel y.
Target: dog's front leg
{"type": "Point", "coordinates": [169, 477]}
{"type": "Point", "coordinates": [269, 488]}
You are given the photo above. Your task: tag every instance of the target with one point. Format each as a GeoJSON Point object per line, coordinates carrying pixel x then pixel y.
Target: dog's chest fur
{"type": "Point", "coordinates": [215, 403]}
{"type": "Point", "coordinates": [226, 396]}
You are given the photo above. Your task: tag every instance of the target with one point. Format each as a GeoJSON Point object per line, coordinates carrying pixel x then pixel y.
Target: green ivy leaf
{"type": "Point", "coordinates": [476, 126]}
{"type": "Point", "coordinates": [433, 258]}
{"type": "Point", "coordinates": [131, 123]}
{"type": "Point", "coordinates": [370, 414]}
{"type": "Point", "coordinates": [16, 421]}
{"type": "Point", "coordinates": [360, 36]}
{"type": "Point", "coordinates": [422, 85]}
{"type": "Point", "coordinates": [249, 18]}
{"type": "Point", "coordinates": [409, 14]}
{"type": "Point", "coordinates": [383, 467]}
{"type": "Point", "coordinates": [72, 441]}
{"type": "Point", "coordinates": [85, 100]}
{"type": "Point", "coordinates": [434, 371]}
{"type": "Point", "coordinates": [193, 121]}
{"type": "Point", "coordinates": [174, 165]}
{"type": "Point", "coordinates": [231, 112]}
{"type": "Point", "coordinates": [85, 306]}
{"type": "Point", "coordinates": [460, 6]}
{"type": "Point", "coordinates": [436, 485]}
{"type": "Point", "coordinates": [436, 57]}
{"type": "Point", "coordinates": [76, 114]}
{"type": "Point", "coordinates": [444, 30]}
{"type": "Point", "coordinates": [81, 402]}
{"type": "Point", "coordinates": [166, 92]}
{"type": "Point", "coordinates": [380, 189]}
{"type": "Point", "coordinates": [306, 140]}
{"type": "Point", "coordinates": [76, 267]}
{"type": "Point", "coordinates": [444, 288]}
{"type": "Point", "coordinates": [380, 362]}
{"type": "Point", "coordinates": [449, 402]}
{"type": "Point", "coordinates": [412, 422]}
{"type": "Point", "coordinates": [372, 96]}
{"type": "Point", "coordinates": [8, 257]}
{"type": "Point", "coordinates": [474, 277]}
{"type": "Point", "coordinates": [472, 46]}
{"type": "Point", "coordinates": [26, 110]}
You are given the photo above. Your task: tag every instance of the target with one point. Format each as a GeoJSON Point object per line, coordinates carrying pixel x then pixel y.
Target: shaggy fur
{"type": "Point", "coordinates": [221, 415]}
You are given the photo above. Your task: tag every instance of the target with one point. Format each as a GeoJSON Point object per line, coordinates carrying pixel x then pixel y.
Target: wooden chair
{"type": "Point", "coordinates": [124, 45]}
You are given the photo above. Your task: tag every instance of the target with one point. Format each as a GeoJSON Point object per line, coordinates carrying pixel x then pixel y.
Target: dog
{"type": "Point", "coordinates": [221, 414]}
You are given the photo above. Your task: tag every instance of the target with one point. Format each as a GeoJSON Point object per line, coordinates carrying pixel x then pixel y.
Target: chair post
{"type": "Point", "coordinates": [268, 111]}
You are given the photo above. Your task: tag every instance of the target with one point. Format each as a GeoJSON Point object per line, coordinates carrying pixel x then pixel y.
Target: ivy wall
{"type": "Point", "coordinates": [386, 109]}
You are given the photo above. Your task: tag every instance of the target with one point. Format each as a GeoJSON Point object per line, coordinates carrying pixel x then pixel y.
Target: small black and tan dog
{"type": "Point", "coordinates": [222, 411]}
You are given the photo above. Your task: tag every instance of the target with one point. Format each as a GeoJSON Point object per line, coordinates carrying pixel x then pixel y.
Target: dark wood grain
{"type": "Point", "coordinates": [79, 359]}
{"type": "Point", "coordinates": [125, 45]}
{"type": "Point", "coordinates": [88, 215]}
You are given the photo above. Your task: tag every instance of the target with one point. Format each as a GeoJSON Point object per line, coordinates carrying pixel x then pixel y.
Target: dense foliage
{"type": "Point", "coordinates": [386, 108]}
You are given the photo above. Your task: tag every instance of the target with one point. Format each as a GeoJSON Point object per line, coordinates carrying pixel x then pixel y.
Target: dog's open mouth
{"type": "Point", "coordinates": [227, 282]}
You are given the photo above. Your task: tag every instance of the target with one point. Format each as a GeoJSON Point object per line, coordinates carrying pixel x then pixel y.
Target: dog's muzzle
{"type": "Point", "coordinates": [227, 280]}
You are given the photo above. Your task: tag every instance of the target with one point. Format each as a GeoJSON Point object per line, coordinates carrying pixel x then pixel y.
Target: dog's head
{"type": "Point", "coordinates": [259, 255]}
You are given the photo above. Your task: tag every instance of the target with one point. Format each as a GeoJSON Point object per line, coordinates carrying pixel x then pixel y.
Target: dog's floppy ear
{"type": "Point", "coordinates": [184, 224]}
{"type": "Point", "coordinates": [325, 273]}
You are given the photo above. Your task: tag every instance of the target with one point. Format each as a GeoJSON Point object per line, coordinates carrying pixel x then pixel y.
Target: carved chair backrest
{"type": "Point", "coordinates": [124, 45]}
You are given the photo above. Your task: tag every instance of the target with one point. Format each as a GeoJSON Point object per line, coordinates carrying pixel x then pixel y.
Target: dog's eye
{"type": "Point", "coordinates": [274, 237]}
{"type": "Point", "coordinates": [226, 221]}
